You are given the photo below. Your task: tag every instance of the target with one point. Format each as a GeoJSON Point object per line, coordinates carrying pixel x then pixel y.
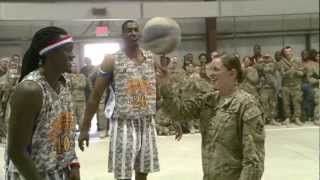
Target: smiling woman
{"type": "Point", "coordinates": [231, 122]}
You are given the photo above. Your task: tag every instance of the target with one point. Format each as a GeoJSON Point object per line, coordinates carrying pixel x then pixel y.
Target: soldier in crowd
{"type": "Point", "coordinates": [307, 90]}
{"type": "Point", "coordinates": [214, 54]}
{"type": "Point", "coordinates": [14, 69]}
{"type": "Point", "coordinates": [8, 82]}
{"type": "Point", "coordinates": [4, 90]}
{"type": "Point", "coordinates": [78, 85]}
{"type": "Point", "coordinates": [250, 78]}
{"type": "Point", "coordinates": [192, 125]}
{"type": "Point", "coordinates": [277, 56]}
{"type": "Point", "coordinates": [3, 66]}
{"type": "Point", "coordinates": [310, 88]}
{"type": "Point", "coordinates": [164, 123]}
{"type": "Point", "coordinates": [87, 70]}
{"type": "Point", "coordinates": [292, 73]}
{"type": "Point", "coordinates": [173, 66]}
{"type": "Point", "coordinates": [189, 57]}
{"type": "Point", "coordinates": [231, 122]}
{"type": "Point", "coordinates": [270, 87]}
{"type": "Point", "coordinates": [17, 60]}
{"type": "Point", "coordinates": [164, 61]}
{"type": "Point", "coordinates": [314, 78]}
{"type": "Point", "coordinates": [189, 67]}
{"type": "Point", "coordinates": [256, 54]}
{"type": "Point", "coordinates": [313, 54]}
{"type": "Point", "coordinates": [204, 63]}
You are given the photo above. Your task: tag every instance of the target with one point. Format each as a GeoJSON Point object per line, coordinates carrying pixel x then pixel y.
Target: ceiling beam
{"type": "Point", "coordinates": [137, 10]}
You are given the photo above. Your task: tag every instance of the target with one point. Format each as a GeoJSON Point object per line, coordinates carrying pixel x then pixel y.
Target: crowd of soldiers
{"type": "Point", "coordinates": [9, 76]}
{"type": "Point", "coordinates": [287, 87]}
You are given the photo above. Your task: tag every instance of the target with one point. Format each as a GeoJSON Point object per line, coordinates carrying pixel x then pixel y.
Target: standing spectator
{"type": "Point", "coordinates": [292, 73]}
{"type": "Point", "coordinates": [256, 54]}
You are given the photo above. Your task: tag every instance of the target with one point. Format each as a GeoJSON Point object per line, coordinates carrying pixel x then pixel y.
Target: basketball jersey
{"type": "Point", "coordinates": [52, 146]}
{"type": "Point", "coordinates": [134, 87]}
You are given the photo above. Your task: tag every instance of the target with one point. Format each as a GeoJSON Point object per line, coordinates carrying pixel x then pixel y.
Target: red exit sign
{"type": "Point", "coordinates": [102, 31]}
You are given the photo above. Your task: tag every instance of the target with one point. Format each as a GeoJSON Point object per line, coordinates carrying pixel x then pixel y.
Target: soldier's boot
{"type": "Point", "coordinates": [286, 122]}
{"type": "Point", "coordinates": [273, 122]}
{"type": "Point", "coordinates": [297, 121]}
{"type": "Point", "coordinates": [103, 133]}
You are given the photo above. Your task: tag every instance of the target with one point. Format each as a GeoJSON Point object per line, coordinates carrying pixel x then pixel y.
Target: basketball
{"type": "Point", "coordinates": [161, 35]}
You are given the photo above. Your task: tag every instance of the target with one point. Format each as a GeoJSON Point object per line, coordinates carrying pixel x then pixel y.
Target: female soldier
{"type": "Point", "coordinates": [41, 127]}
{"type": "Point", "coordinates": [231, 123]}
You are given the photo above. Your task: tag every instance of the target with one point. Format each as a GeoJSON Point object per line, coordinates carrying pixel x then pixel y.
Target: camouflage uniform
{"type": "Point", "coordinates": [269, 90]}
{"type": "Point", "coordinates": [292, 73]}
{"type": "Point", "coordinates": [312, 77]}
{"type": "Point", "coordinates": [8, 83]}
{"type": "Point", "coordinates": [232, 129]}
{"type": "Point", "coordinates": [250, 81]}
{"type": "Point", "coordinates": [78, 85]}
{"type": "Point", "coordinates": [164, 124]}
{"type": "Point", "coordinates": [4, 96]}
{"type": "Point", "coordinates": [192, 125]}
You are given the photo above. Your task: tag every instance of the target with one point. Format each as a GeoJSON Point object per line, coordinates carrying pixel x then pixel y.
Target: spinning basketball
{"type": "Point", "coordinates": [161, 35]}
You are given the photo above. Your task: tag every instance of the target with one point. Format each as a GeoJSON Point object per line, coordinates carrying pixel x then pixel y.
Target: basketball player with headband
{"type": "Point", "coordinates": [41, 135]}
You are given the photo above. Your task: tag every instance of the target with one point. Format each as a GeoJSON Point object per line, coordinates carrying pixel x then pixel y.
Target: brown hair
{"type": "Point", "coordinates": [233, 62]}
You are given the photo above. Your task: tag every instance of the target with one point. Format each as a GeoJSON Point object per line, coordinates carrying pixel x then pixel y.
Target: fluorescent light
{"type": "Point", "coordinates": [97, 51]}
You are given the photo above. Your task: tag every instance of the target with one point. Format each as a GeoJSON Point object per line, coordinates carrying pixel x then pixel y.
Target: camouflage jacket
{"type": "Point", "coordinates": [6, 88]}
{"type": "Point", "coordinates": [312, 75]}
{"type": "Point", "coordinates": [291, 72]}
{"type": "Point", "coordinates": [250, 81]}
{"type": "Point", "coordinates": [270, 77]}
{"type": "Point", "coordinates": [78, 85]}
{"type": "Point", "coordinates": [232, 130]}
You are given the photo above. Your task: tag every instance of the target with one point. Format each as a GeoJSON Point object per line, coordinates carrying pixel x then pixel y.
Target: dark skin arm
{"type": "Point", "coordinates": [25, 105]}
{"type": "Point", "coordinates": [99, 87]}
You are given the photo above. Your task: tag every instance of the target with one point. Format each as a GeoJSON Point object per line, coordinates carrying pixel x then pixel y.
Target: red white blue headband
{"type": "Point", "coordinates": [57, 43]}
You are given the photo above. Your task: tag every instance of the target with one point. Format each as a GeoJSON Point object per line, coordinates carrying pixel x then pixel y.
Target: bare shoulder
{"type": "Point", "coordinates": [108, 63]}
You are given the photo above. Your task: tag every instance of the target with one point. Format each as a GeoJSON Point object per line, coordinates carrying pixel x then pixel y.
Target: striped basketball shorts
{"type": "Point", "coordinates": [54, 175]}
{"type": "Point", "coordinates": [133, 147]}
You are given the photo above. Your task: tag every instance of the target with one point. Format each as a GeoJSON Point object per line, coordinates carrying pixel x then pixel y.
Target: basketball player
{"type": "Point", "coordinates": [131, 72]}
{"type": "Point", "coordinates": [41, 126]}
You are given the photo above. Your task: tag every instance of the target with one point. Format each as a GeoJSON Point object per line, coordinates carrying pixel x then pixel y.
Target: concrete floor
{"type": "Point", "coordinates": [291, 154]}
